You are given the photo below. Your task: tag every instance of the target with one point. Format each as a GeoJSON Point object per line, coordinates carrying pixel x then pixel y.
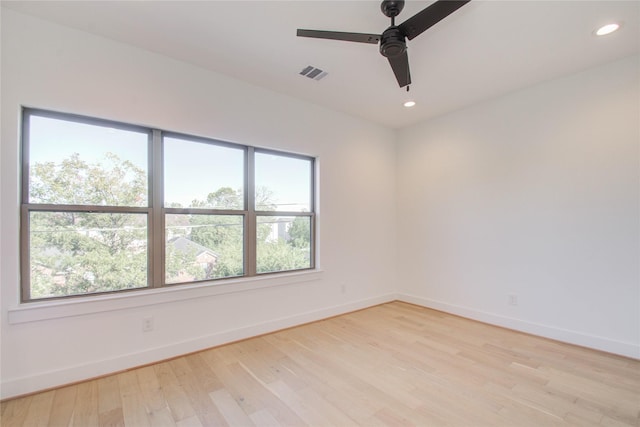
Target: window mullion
{"type": "Point", "coordinates": [25, 254]}
{"type": "Point", "coordinates": [312, 237]}
{"type": "Point", "coordinates": [156, 232]}
{"type": "Point", "coordinates": [25, 273]}
{"type": "Point", "coordinates": [250, 220]}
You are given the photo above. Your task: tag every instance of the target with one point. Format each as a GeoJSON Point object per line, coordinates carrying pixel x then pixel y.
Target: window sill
{"type": "Point", "coordinates": [39, 311]}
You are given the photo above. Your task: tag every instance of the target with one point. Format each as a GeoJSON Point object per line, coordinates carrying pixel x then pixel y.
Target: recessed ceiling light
{"type": "Point", "coordinates": [409, 104]}
{"type": "Point", "coordinates": [607, 29]}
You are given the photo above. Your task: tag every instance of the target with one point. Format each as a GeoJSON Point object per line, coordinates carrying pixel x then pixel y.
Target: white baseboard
{"type": "Point", "coordinates": [45, 380]}
{"type": "Point", "coordinates": [546, 331]}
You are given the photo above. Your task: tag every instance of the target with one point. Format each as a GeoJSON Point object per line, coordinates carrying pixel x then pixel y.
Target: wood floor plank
{"type": "Point", "coordinates": [197, 386]}
{"type": "Point", "coordinates": [85, 412]}
{"type": "Point", "coordinates": [39, 409]}
{"type": "Point", "coordinates": [133, 408]}
{"type": "Point", "coordinates": [263, 418]}
{"type": "Point", "coordinates": [229, 408]}
{"type": "Point", "coordinates": [248, 389]}
{"type": "Point", "coordinates": [153, 398]}
{"type": "Point", "coordinates": [63, 405]}
{"type": "Point", "coordinates": [14, 412]}
{"type": "Point", "coordinates": [391, 365]}
{"type": "Point", "coordinates": [109, 402]}
{"type": "Point", "coordinates": [178, 403]}
{"type": "Point", "coordinates": [192, 421]}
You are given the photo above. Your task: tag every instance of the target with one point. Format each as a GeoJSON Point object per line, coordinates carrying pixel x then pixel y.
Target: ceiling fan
{"type": "Point", "coordinates": [392, 41]}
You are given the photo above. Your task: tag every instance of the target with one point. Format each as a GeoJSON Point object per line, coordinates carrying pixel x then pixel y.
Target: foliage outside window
{"type": "Point", "coordinates": [111, 207]}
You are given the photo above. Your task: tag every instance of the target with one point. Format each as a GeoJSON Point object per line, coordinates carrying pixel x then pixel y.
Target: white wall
{"type": "Point", "coordinates": [535, 194]}
{"type": "Point", "coordinates": [52, 67]}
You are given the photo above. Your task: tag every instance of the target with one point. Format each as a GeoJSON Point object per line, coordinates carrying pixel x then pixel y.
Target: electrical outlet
{"type": "Point", "coordinates": [513, 299]}
{"type": "Point", "coordinates": [147, 324]}
{"type": "Point", "coordinates": [343, 288]}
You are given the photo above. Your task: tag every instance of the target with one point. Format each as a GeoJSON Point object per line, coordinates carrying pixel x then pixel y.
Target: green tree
{"type": "Point", "coordinates": [279, 255]}
{"type": "Point", "coordinates": [223, 198]}
{"type": "Point", "coordinates": [300, 232]}
{"type": "Point", "coordinates": [111, 182]}
{"type": "Point", "coordinates": [222, 234]}
{"type": "Point", "coordinates": [79, 252]}
{"type": "Point", "coordinates": [280, 250]}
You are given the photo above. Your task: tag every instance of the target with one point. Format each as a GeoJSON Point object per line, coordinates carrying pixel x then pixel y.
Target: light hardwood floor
{"type": "Point", "coordinates": [390, 365]}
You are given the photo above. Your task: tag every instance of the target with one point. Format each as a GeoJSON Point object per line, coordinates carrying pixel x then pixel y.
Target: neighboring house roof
{"type": "Point", "coordinates": [184, 245]}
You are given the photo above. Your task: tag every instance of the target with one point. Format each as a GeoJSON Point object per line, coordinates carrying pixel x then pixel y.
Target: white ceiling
{"type": "Point", "coordinates": [484, 50]}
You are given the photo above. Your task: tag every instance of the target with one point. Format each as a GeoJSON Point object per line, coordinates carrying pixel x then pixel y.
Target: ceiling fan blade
{"type": "Point", "coordinates": [337, 35]}
{"type": "Point", "coordinates": [430, 16]}
{"type": "Point", "coordinates": [400, 66]}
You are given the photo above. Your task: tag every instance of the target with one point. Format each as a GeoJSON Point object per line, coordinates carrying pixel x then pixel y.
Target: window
{"type": "Point", "coordinates": [205, 209]}
{"type": "Point", "coordinates": [284, 201]}
{"type": "Point", "coordinates": [111, 207]}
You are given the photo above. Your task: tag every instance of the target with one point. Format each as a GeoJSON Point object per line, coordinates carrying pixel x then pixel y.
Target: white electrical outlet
{"type": "Point", "coordinates": [513, 299]}
{"type": "Point", "coordinates": [343, 288]}
{"type": "Point", "coordinates": [147, 324]}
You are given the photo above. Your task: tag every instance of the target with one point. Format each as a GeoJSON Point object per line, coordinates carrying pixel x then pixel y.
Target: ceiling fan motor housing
{"type": "Point", "coordinates": [392, 42]}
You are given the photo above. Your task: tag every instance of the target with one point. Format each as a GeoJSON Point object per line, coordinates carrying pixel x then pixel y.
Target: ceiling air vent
{"type": "Point", "coordinates": [313, 73]}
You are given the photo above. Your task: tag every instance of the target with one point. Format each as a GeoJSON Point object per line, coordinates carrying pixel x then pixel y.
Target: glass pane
{"type": "Point", "coordinates": [282, 183]}
{"type": "Point", "coordinates": [74, 253]}
{"type": "Point", "coordinates": [82, 164]}
{"type": "Point", "coordinates": [200, 175]}
{"type": "Point", "coordinates": [284, 243]}
{"type": "Point", "coordinates": [202, 247]}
